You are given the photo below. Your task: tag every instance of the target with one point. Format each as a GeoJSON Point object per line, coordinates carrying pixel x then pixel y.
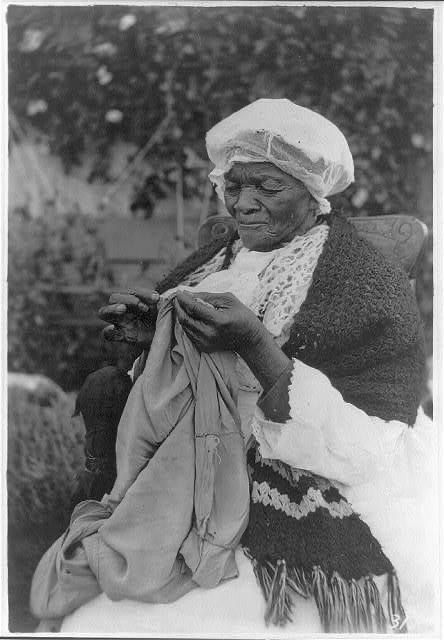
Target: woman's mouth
{"type": "Point", "coordinates": [251, 225]}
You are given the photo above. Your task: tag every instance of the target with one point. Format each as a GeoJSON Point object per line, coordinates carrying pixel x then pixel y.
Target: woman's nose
{"type": "Point", "coordinates": [246, 203]}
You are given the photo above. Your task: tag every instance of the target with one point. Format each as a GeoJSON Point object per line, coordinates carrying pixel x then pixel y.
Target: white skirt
{"type": "Point", "coordinates": [403, 516]}
{"type": "Point", "coordinates": [233, 609]}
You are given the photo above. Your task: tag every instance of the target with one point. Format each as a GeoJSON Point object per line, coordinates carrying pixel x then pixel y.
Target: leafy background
{"type": "Point", "coordinates": [88, 77]}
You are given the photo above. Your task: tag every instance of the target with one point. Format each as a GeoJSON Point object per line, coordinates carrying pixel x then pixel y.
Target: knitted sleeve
{"type": "Point", "coordinates": [323, 433]}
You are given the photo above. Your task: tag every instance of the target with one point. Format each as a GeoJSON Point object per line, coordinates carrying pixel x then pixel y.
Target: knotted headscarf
{"type": "Point", "coordinates": [297, 140]}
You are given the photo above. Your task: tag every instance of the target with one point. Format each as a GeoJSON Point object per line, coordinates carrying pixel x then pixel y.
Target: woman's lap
{"type": "Point", "coordinates": [235, 607]}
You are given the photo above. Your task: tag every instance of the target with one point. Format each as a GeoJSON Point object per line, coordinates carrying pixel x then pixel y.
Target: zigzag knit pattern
{"type": "Point", "coordinates": [304, 539]}
{"type": "Point", "coordinates": [360, 325]}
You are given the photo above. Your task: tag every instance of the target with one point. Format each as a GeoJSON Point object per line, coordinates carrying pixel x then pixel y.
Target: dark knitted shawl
{"type": "Point", "coordinates": [359, 325]}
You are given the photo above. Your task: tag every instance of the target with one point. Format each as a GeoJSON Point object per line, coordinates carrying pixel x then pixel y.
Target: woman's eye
{"type": "Point", "coordinates": [269, 190]}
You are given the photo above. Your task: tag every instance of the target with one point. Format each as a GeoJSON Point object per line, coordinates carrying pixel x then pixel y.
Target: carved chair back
{"type": "Point", "coordinates": [400, 238]}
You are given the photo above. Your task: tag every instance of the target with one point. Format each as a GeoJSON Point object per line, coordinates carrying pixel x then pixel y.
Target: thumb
{"type": "Point", "coordinates": [218, 300]}
{"type": "Point", "coordinates": [195, 305]}
{"type": "Point", "coordinates": [148, 296]}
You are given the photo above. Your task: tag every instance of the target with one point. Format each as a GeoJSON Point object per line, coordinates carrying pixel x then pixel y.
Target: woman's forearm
{"type": "Point", "coordinates": [265, 359]}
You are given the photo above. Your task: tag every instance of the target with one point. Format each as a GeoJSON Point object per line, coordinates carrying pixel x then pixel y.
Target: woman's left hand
{"type": "Point", "coordinates": [217, 321]}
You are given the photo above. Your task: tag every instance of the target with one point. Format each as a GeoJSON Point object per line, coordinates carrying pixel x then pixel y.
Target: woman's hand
{"type": "Point", "coordinates": [217, 321]}
{"type": "Point", "coordinates": [131, 316]}
{"type": "Point", "coordinates": [220, 322]}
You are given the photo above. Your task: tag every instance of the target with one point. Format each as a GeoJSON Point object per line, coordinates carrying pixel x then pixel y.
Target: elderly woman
{"type": "Point", "coordinates": [330, 366]}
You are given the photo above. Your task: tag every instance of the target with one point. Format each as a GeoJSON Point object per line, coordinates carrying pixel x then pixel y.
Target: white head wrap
{"type": "Point", "coordinates": [297, 140]}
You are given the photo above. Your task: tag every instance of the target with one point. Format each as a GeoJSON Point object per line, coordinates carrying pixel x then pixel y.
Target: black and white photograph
{"type": "Point", "coordinates": [221, 342]}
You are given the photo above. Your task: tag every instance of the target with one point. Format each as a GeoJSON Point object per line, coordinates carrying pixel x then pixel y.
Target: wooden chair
{"type": "Point", "coordinates": [400, 238]}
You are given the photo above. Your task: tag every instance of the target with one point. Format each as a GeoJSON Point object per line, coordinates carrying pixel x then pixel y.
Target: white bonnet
{"type": "Point", "coordinates": [297, 140]}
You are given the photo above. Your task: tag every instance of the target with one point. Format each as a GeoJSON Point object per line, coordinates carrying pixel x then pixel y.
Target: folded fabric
{"type": "Point", "coordinates": [180, 502]}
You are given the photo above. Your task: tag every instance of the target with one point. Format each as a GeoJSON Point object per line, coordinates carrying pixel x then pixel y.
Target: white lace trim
{"type": "Point", "coordinates": [273, 284]}
{"type": "Point", "coordinates": [257, 431]}
{"type": "Point", "coordinates": [261, 492]}
{"type": "Point", "coordinates": [285, 281]}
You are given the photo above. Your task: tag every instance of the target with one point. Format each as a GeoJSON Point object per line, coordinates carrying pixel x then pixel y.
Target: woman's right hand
{"type": "Point", "coordinates": [131, 316]}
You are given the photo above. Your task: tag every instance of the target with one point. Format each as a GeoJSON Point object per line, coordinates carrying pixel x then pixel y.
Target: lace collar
{"type": "Point", "coordinates": [272, 284]}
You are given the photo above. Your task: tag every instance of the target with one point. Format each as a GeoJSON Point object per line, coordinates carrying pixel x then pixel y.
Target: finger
{"type": "Point", "coordinates": [122, 297]}
{"type": "Point", "coordinates": [182, 316]}
{"type": "Point", "coordinates": [112, 312]}
{"type": "Point", "coordinates": [132, 303]}
{"type": "Point", "coordinates": [218, 300]}
{"type": "Point", "coordinates": [186, 321]}
{"type": "Point", "coordinates": [190, 324]}
{"type": "Point", "coordinates": [134, 296]}
{"type": "Point", "coordinates": [199, 333]}
{"type": "Point", "coordinates": [195, 308]}
{"type": "Point", "coordinates": [113, 334]}
{"type": "Point", "coordinates": [148, 296]}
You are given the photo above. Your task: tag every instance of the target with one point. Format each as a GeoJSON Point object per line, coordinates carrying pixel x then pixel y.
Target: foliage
{"type": "Point", "coordinates": [87, 76]}
{"type": "Point", "coordinates": [46, 253]}
{"type": "Point", "coordinates": [44, 455]}
{"type": "Point", "coordinates": [45, 451]}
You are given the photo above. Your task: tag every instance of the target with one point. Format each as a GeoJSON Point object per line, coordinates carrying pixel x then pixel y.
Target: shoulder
{"type": "Point", "coordinates": [344, 239]}
{"type": "Point", "coordinates": [195, 260]}
{"type": "Point", "coordinates": [356, 293]}
{"type": "Point", "coordinates": [359, 266]}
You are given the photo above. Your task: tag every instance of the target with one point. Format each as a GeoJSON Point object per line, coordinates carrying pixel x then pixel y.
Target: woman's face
{"type": "Point", "coordinates": [270, 206]}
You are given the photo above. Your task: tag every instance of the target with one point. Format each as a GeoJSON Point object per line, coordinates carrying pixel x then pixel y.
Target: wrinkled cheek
{"type": "Point", "coordinates": [286, 224]}
{"type": "Point", "coordinates": [229, 206]}
{"type": "Point", "coordinates": [258, 239]}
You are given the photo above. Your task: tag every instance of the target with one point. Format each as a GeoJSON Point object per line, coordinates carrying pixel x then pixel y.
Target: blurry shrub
{"type": "Point", "coordinates": [53, 251]}
{"type": "Point", "coordinates": [86, 76]}
{"type": "Point", "coordinates": [85, 81]}
{"type": "Point", "coordinates": [45, 451]}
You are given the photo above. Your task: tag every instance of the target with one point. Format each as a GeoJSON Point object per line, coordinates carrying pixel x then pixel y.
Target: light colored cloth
{"type": "Point", "coordinates": [180, 502]}
{"type": "Point", "coordinates": [234, 609]}
{"type": "Point", "coordinates": [297, 140]}
{"type": "Point", "coordinates": [386, 470]}
{"type": "Point", "coordinates": [398, 500]}
{"type": "Point", "coordinates": [273, 284]}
